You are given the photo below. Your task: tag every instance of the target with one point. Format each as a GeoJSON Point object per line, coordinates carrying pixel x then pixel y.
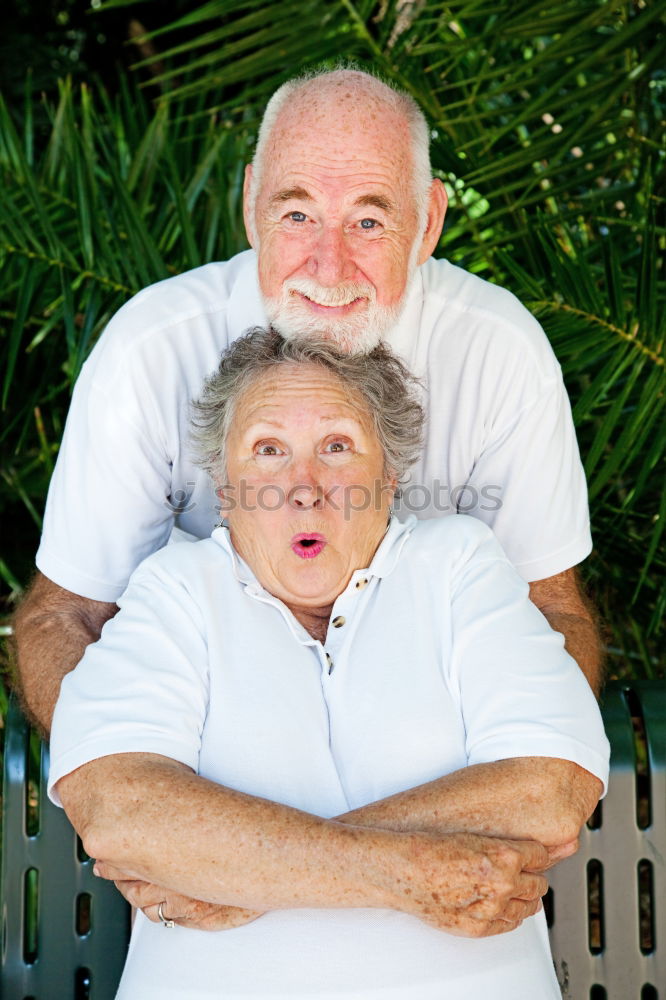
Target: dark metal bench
{"type": "Point", "coordinates": [608, 915]}
{"type": "Point", "coordinates": [65, 932]}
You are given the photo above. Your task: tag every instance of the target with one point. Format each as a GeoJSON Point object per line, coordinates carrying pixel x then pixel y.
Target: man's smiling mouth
{"type": "Point", "coordinates": [332, 306]}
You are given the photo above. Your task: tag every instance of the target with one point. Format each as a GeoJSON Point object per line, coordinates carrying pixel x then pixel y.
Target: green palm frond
{"type": "Point", "coordinates": [548, 126]}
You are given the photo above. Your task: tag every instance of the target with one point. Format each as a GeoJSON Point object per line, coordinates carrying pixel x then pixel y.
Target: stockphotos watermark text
{"type": "Point", "coordinates": [413, 498]}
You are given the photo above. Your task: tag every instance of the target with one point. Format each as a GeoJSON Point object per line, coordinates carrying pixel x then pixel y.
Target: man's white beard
{"type": "Point", "coordinates": [357, 333]}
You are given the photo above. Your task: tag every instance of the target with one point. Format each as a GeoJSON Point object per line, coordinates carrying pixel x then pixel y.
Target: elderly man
{"type": "Point", "coordinates": [343, 215]}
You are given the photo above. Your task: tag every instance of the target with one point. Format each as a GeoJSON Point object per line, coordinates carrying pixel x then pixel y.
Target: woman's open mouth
{"type": "Point", "coordinates": [308, 545]}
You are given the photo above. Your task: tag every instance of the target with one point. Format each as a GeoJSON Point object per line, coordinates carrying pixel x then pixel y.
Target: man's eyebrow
{"type": "Point", "coordinates": [375, 201]}
{"type": "Point", "coordinates": [290, 194]}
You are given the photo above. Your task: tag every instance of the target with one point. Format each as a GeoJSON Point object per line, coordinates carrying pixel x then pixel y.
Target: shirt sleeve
{"type": "Point", "coordinates": [531, 487]}
{"type": "Point", "coordinates": [153, 696]}
{"type": "Point", "coordinates": [107, 502]}
{"type": "Point", "coordinates": [521, 694]}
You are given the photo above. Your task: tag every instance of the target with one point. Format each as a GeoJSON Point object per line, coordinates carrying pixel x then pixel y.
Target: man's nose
{"type": "Point", "coordinates": [330, 261]}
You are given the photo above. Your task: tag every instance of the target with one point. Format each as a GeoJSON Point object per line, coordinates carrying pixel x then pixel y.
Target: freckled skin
{"type": "Point", "coordinates": [326, 447]}
{"type": "Point", "coordinates": [339, 148]}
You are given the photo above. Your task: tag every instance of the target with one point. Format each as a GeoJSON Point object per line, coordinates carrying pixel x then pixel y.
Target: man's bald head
{"type": "Point", "coordinates": [313, 100]}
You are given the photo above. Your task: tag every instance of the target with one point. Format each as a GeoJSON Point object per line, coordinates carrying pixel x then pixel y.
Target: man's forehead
{"type": "Point", "coordinates": [355, 116]}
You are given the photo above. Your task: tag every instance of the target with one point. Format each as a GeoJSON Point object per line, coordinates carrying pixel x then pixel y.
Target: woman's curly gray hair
{"type": "Point", "coordinates": [389, 392]}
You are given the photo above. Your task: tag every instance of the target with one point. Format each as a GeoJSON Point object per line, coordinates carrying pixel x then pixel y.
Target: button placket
{"type": "Point", "coordinates": [345, 612]}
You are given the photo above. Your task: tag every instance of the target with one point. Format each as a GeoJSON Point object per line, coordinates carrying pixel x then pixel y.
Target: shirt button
{"type": "Point", "coordinates": [330, 663]}
{"type": "Point", "coordinates": [338, 622]}
{"type": "Point", "coordinates": [360, 584]}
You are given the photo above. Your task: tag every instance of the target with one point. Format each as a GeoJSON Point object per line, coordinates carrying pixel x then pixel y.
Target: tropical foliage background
{"type": "Point", "coordinates": [548, 126]}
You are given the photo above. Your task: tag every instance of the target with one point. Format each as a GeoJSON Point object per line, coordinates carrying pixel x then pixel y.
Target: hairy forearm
{"type": "Point", "coordinates": [583, 643]}
{"type": "Point", "coordinates": [53, 628]}
{"type": "Point", "coordinates": [561, 599]}
{"type": "Point", "coordinates": [536, 798]}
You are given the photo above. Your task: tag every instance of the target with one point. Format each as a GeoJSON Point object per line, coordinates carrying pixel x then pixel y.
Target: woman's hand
{"type": "Point", "coordinates": [183, 910]}
{"type": "Point", "coordinates": [472, 886]}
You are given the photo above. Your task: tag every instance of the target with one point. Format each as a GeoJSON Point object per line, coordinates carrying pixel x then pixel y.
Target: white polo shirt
{"type": "Point", "coordinates": [434, 659]}
{"type": "Point", "coordinates": [500, 443]}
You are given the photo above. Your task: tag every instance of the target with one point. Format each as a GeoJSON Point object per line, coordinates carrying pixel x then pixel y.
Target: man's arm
{"type": "Point", "coordinates": [154, 819]}
{"type": "Point", "coordinates": [53, 628]}
{"type": "Point", "coordinates": [561, 600]}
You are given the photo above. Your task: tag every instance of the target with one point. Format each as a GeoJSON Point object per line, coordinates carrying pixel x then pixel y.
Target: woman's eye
{"type": "Point", "coordinates": [267, 449]}
{"type": "Point", "coordinates": [297, 216]}
{"type": "Point", "coordinates": [335, 446]}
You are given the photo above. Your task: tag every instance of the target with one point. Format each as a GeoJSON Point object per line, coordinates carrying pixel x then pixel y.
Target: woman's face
{"type": "Point", "coordinates": [306, 497]}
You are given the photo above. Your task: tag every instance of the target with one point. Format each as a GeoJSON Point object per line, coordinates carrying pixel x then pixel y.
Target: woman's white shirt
{"type": "Point", "coordinates": [434, 659]}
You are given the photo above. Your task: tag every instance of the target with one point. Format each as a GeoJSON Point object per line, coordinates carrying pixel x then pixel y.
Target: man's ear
{"type": "Point", "coordinates": [248, 207]}
{"type": "Point", "coordinates": [437, 205]}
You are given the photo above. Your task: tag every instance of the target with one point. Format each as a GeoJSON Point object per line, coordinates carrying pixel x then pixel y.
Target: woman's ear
{"type": "Point", "coordinates": [223, 494]}
{"type": "Point", "coordinates": [390, 488]}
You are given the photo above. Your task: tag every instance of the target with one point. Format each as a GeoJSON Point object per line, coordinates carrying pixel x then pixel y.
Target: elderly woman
{"type": "Point", "coordinates": [354, 742]}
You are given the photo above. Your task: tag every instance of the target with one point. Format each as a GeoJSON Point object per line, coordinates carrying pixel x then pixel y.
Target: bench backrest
{"type": "Point", "coordinates": [608, 914]}
{"type": "Point", "coordinates": [65, 932]}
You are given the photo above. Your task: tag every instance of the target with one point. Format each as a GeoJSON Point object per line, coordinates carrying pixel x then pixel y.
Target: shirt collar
{"type": "Point", "coordinates": [241, 570]}
{"type": "Point", "coordinates": [383, 561]}
{"type": "Point", "coordinates": [245, 309]}
{"type": "Point", "coordinates": [403, 337]}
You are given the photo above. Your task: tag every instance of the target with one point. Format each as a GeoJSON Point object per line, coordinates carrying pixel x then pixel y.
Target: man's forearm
{"type": "Point", "coordinates": [563, 602]}
{"type": "Point", "coordinates": [583, 643]}
{"type": "Point", "coordinates": [53, 628]}
{"type": "Point", "coordinates": [536, 798]}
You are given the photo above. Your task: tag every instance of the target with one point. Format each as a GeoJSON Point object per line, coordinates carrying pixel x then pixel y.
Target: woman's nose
{"type": "Point", "coordinates": [306, 496]}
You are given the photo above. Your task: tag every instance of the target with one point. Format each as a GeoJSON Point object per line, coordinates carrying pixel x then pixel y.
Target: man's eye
{"type": "Point", "coordinates": [297, 216]}
{"type": "Point", "coordinates": [369, 223]}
